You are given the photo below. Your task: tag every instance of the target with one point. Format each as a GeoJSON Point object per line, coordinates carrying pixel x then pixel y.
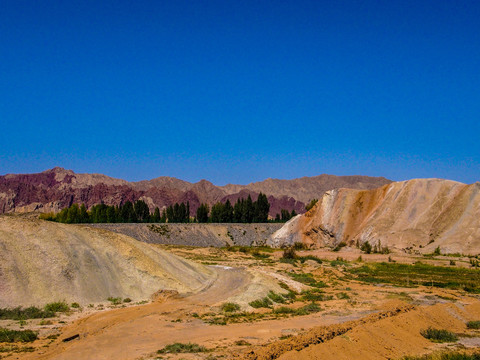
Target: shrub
{"type": "Point", "coordinates": [75, 305]}
{"type": "Point", "coordinates": [311, 204]}
{"type": "Point", "coordinates": [230, 307]}
{"type": "Point", "coordinates": [59, 306]}
{"type": "Point", "coordinates": [284, 310]}
{"type": "Point", "coordinates": [439, 335]}
{"type": "Point", "coordinates": [178, 348]}
{"type": "Point", "coordinates": [437, 251]}
{"type": "Point", "coordinates": [339, 246]}
{"type": "Point", "coordinates": [342, 295]}
{"type": "Point", "coordinates": [289, 253]}
{"type": "Point", "coordinates": [7, 335]}
{"type": "Point", "coordinates": [473, 324]}
{"type": "Point", "coordinates": [310, 257]}
{"type": "Point", "coordinates": [315, 295]}
{"type": "Point", "coordinates": [261, 303]}
{"type": "Point", "coordinates": [366, 247]}
{"type": "Point", "coordinates": [31, 312]}
{"type": "Point", "coordinates": [299, 246]}
{"type": "Point", "coordinates": [276, 297]}
{"type": "Point", "coordinates": [127, 300]}
{"type": "Point", "coordinates": [115, 300]}
{"type": "Point", "coordinates": [452, 263]}
{"type": "Point", "coordinates": [308, 309]}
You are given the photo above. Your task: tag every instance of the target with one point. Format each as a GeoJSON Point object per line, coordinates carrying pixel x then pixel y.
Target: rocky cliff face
{"type": "Point", "coordinates": [417, 215]}
{"type": "Point", "coordinates": [57, 188]}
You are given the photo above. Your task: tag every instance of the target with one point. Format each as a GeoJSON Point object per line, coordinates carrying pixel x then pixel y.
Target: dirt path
{"type": "Point", "coordinates": [138, 331]}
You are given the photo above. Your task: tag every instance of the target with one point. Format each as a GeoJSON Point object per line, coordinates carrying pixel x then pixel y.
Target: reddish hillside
{"type": "Point", "coordinates": [57, 188]}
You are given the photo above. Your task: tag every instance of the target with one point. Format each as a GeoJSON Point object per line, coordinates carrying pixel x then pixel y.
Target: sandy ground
{"type": "Point", "coordinates": [374, 322]}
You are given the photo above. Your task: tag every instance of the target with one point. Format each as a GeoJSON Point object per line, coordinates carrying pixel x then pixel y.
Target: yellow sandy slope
{"type": "Point", "coordinates": [44, 261]}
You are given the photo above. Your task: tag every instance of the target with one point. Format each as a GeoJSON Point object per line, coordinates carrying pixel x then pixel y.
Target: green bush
{"type": "Point", "coordinates": [178, 348]}
{"type": "Point", "coordinates": [339, 246]}
{"type": "Point", "coordinates": [115, 300]}
{"type": "Point", "coordinates": [366, 247]}
{"type": "Point", "coordinates": [439, 335]}
{"type": "Point", "coordinates": [289, 253]}
{"type": "Point", "coordinates": [315, 295]}
{"type": "Point", "coordinates": [31, 312]}
{"type": "Point", "coordinates": [7, 335]}
{"type": "Point", "coordinates": [261, 303]}
{"type": "Point", "coordinates": [276, 297]}
{"type": "Point", "coordinates": [230, 307]}
{"type": "Point", "coordinates": [473, 324]}
{"type": "Point", "coordinates": [59, 306]}
{"type": "Point", "coordinates": [127, 300]}
{"type": "Point", "coordinates": [310, 257]}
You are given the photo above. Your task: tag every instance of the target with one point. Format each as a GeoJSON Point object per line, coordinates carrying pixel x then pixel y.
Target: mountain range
{"type": "Point", "coordinates": [57, 188]}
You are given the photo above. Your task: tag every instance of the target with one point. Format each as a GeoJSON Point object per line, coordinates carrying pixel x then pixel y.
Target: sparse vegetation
{"type": "Point", "coordinates": [339, 246]}
{"type": "Point", "coordinates": [311, 204]}
{"type": "Point", "coordinates": [473, 324]}
{"type": "Point", "coordinates": [8, 335]}
{"type": "Point", "coordinates": [58, 306]}
{"type": "Point", "coordinates": [439, 335]}
{"type": "Point", "coordinates": [115, 300]}
{"type": "Point", "coordinates": [307, 279]}
{"type": "Point", "coordinates": [366, 247]}
{"type": "Point", "coordinates": [419, 274]}
{"type": "Point", "coordinates": [180, 348]}
{"type": "Point", "coordinates": [315, 295]}
{"type": "Point", "coordinates": [454, 355]}
{"type": "Point", "coordinates": [19, 313]}
{"type": "Point", "coordinates": [230, 307]}
{"type": "Point", "coordinates": [261, 303]}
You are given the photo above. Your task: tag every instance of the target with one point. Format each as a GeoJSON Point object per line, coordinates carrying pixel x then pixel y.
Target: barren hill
{"type": "Point", "coordinates": [418, 215]}
{"type": "Point", "coordinates": [57, 188]}
{"type": "Point", "coordinates": [306, 188]}
{"type": "Point", "coordinates": [43, 262]}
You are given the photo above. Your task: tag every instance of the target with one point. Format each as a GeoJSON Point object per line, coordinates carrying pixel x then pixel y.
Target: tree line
{"type": "Point", "coordinates": [243, 211]}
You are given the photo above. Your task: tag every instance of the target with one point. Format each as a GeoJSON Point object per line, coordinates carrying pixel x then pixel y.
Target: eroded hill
{"type": "Point", "coordinates": [418, 215]}
{"type": "Point", "coordinates": [44, 261]}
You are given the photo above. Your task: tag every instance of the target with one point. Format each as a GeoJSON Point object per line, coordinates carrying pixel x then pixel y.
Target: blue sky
{"type": "Point", "coordinates": [239, 91]}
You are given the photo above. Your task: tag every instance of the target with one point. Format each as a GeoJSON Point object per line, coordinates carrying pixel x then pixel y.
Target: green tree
{"type": "Point", "coordinates": [142, 212]}
{"type": "Point", "coordinates": [262, 207]}
{"type": "Point", "coordinates": [202, 213]}
{"type": "Point", "coordinates": [311, 204]}
{"type": "Point", "coordinates": [156, 215]}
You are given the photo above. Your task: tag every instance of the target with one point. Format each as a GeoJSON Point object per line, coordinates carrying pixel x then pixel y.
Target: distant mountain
{"type": "Point", "coordinates": [57, 188]}
{"type": "Point", "coordinates": [417, 215]}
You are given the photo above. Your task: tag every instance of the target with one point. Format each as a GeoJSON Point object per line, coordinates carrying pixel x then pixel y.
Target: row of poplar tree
{"type": "Point", "coordinates": [243, 211]}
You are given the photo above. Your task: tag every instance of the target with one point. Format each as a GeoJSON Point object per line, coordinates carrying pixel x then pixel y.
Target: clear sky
{"type": "Point", "coordinates": [239, 91]}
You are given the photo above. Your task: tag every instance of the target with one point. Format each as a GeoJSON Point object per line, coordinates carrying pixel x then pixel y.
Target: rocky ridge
{"type": "Point", "coordinates": [57, 188]}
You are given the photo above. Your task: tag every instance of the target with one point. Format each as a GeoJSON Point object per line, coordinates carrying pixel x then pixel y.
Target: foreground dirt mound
{"type": "Point", "coordinates": [419, 214]}
{"type": "Point", "coordinates": [385, 335]}
{"type": "Point", "coordinates": [43, 261]}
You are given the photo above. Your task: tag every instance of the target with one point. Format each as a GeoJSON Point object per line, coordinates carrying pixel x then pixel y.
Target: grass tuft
{"type": "Point", "coordinates": [439, 335]}
{"type": "Point", "coordinates": [180, 348]}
